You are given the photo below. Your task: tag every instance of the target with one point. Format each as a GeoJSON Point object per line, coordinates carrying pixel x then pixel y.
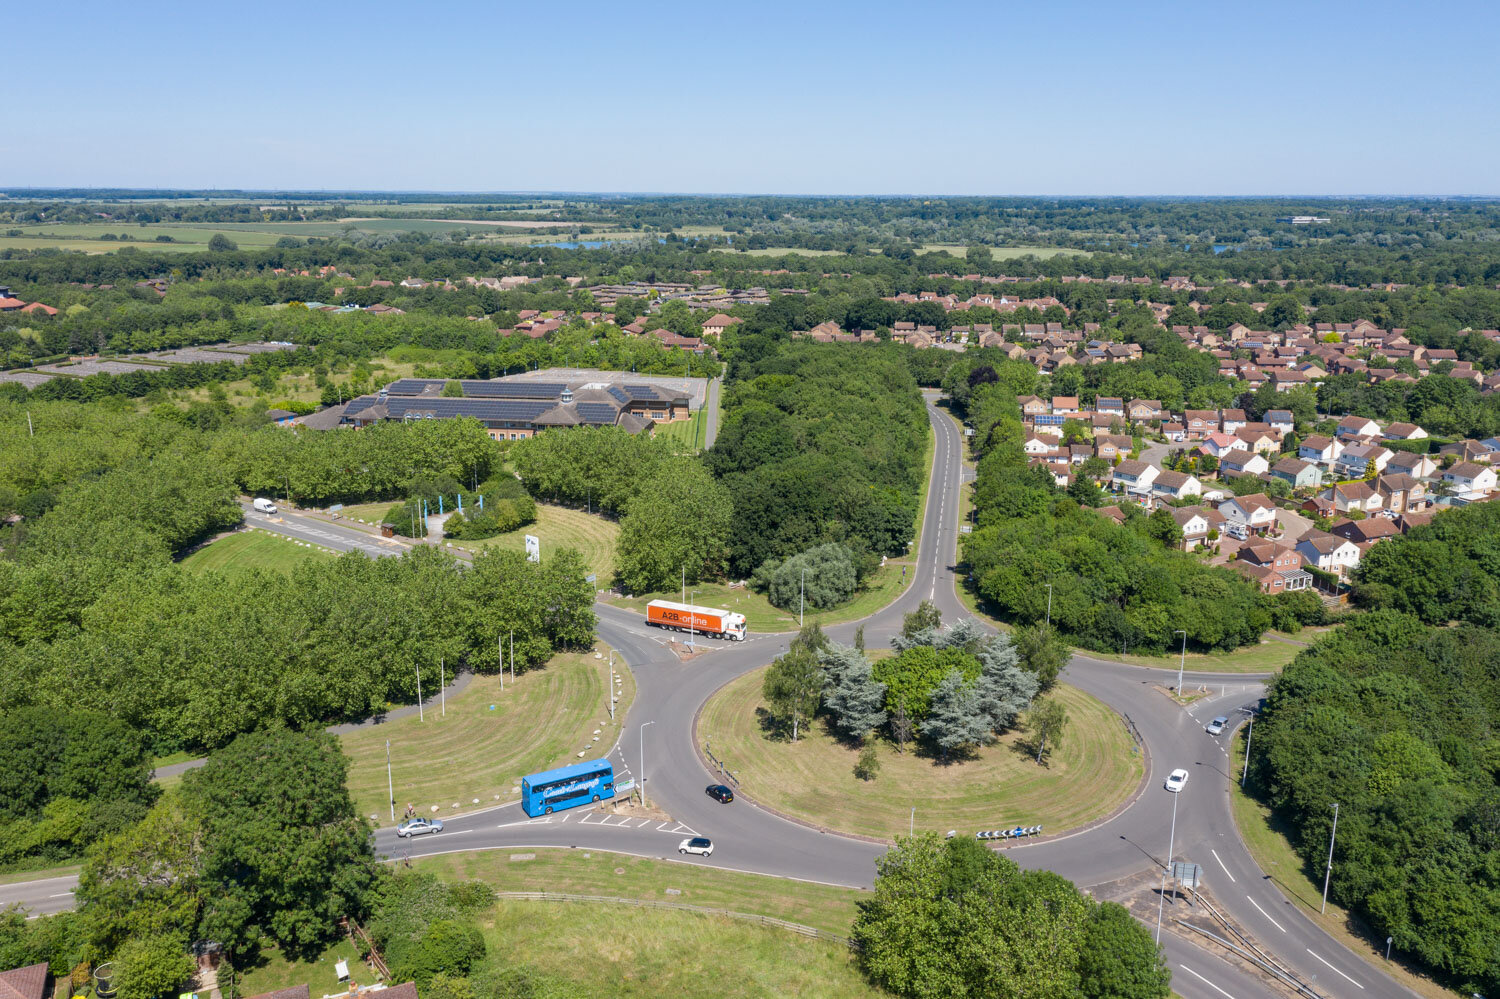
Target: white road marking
{"type": "Point", "coordinates": [1221, 863]}
{"type": "Point", "coordinates": [1205, 981]}
{"type": "Point", "coordinates": [1265, 913]}
{"type": "Point", "coordinates": [61, 895]}
{"type": "Point", "coordinates": [1345, 977]}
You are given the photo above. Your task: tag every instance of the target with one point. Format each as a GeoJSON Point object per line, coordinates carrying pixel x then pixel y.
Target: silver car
{"type": "Point", "coordinates": [419, 827]}
{"type": "Point", "coordinates": [1217, 725]}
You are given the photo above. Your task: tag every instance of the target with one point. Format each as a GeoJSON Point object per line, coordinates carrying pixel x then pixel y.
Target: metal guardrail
{"type": "Point", "coordinates": [724, 771]}
{"type": "Point", "coordinates": [1135, 733]}
{"type": "Point", "coordinates": [1248, 950]}
{"type": "Point", "coordinates": [782, 924]}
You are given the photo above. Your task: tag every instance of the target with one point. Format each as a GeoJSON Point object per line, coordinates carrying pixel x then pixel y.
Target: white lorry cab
{"type": "Point", "coordinates": [263, 505]}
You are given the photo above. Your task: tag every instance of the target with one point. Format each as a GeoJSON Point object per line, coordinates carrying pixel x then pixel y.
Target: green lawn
{"type": "Point", "coordinates": [1095, 768]}
{"type": "Point", "coordinates": [618, 875]}
{"type": "Point", "coordinates": [686, 435]}
{"type": "Point", "coordinates": [563, 527]}
{"type": "Point", "coordinates": [1266, 836]}
{"type": "Point", "coordinates": [1266, 657]}
{"type": "Point", "coordinates": [543, 719]}
{"type": "Point", "coordinates": [368, 513]}
{"type": "Point", "coordinates": [252, 549]}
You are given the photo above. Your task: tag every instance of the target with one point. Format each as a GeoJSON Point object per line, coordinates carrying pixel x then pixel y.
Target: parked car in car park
{"type": "Point", "coordinates": [1175, 780]}
{"type": "Point", "coordinates": [720, 793]}
{"type": "Point", "coordinates": [701, 845]}
{"type": "Point", "coordinates": [419, 827]}
{"type": "Point", "coordinates": [1217, 725]}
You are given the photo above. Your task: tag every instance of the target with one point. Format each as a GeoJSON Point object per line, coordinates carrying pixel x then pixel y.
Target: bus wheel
{"type": "Point", "coordinates": [596, 798]}
{"type": "Point", "coordinates": [549, 809]}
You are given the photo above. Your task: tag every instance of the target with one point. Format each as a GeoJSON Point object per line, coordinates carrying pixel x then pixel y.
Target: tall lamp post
{"type": "Point", "coordinates": [643, 759]}
{"type": "Point", "coordinates": [1248, 736]}
{"type": "Point", "coordinates": [1328, 871]}
{"type": "Point", "coordinates": [1181, 663]}
{"type": "Point", "coordinates": [1049, 605]}
{"type": "Point", "coordinates": [802, 596]}
{"type": "Point", "coordinates": [691, 623]}
{"type": "Point", "coordinates": [1171, 848]}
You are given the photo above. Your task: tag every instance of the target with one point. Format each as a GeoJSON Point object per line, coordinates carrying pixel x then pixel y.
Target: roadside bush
{"type": "Point", "coordinates": [830, 572]}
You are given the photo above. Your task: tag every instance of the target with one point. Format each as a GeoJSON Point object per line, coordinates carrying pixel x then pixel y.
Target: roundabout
{"type": "Point", "coordinates": [1093, 770]}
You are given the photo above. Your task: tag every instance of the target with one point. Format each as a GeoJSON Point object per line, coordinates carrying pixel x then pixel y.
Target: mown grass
{"type": "Point", "coordinates": [558, 527]}
{"type": "Point", "coordinates": [621, 876]}
{"type": "Point", "coordinates": [686, 435]}
{"type": "Point", "coordinates": [276, 972]}
{"type": "Point", "coordinates": [1094, 769]}
{"type": "Point", "coordinates": [246, 550]}
{"type": "Point", "coordinates": [541, 720]}
{"type": "Point", "coordinates": [1266, 657]}
{"type": "Point", "coordinates": [1267, 838]}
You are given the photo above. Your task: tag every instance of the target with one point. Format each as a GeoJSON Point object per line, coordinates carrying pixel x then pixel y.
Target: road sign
{"type": "Point", "coordinates": [1189, 875]}
{"type": "Point", "coordinates": [533, 548]}
{"type": "Point", "coordinates": [590, 578]}
{"type": "Point", "coordinates": [624, 786]}
{"type": "Point", "coordinates": [964, 529]}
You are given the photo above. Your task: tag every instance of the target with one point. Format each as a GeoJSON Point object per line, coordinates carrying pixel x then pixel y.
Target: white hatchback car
{"type": "Point", "coordinates": [701, 845]}
{"type": "Point", "coordinates": [1175, 780]}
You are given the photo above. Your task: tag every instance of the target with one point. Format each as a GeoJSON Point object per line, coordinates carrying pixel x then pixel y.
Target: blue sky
{"type": "Point", "coordinates": [820, 98]}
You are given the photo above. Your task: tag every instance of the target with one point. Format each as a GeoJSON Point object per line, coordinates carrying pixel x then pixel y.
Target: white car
{"type": "Point", "coordinates": [701, 845]}
{"type": "Point", "coordinates": [419, 827]}
{"type": "Point", "coordinates": [1175, 780]}
{"type": "Point", "coordinates": [1217, 725]}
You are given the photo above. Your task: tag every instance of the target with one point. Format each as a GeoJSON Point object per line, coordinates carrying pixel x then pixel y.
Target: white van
{"type": "Point", "coordinates": [264, 505]}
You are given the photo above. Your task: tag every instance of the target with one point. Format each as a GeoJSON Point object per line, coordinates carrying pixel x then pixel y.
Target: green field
{"type": "Point", "coordinates": [563, 527]}
{"type": "Point", "coordinates": [1006, 252]}
{"type": "Point", "coordinates": [1094, 769]}
{"type": "Point", "coordinates": [1266, 657]}
{"type": "Point", "coordinates": [543, 719]}
{"type": "Point", "coordinates": [686, 435]}
{"type": "Point", "coordinates": [252, 549]}
{"type": "Point", "coordinates": [1266, 836]}
{"type": "Point", "coordinates": [776, 251]}
{"type": "Point", "coordinates": [618, 875]}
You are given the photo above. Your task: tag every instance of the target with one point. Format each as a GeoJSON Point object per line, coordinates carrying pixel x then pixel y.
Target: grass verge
{"type": "Point", "coordinates": [246, 550]}
{"type": "Point", "coordinates": [1094, 769]}
{"type": "Point", "coordinates": [686, 435]}
{"type": "Point", "coordinates": [43, 873]}
{"type": "Point", "coordinates": [541, 720]}
{"type": "Point", "coordinates": [1266, 837]}
{"type": "Point", "coordinates": [620, 876]}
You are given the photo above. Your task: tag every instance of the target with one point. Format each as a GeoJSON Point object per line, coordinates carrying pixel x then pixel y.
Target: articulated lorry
{"type": "Point", "coordinates": [700, 620]}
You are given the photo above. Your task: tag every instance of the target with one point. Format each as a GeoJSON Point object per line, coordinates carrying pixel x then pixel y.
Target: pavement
{"type": "Point", "coordinates": [657, 748]}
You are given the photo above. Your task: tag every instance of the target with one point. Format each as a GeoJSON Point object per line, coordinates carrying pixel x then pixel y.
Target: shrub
{"type": "Point", "coordinates": [831, 577]}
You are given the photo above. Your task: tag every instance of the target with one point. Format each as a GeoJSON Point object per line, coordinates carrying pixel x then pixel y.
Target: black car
{"type": "Point", "coordinates": [720, 793]}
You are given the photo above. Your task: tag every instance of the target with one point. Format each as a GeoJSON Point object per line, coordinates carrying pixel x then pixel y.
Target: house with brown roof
{"type": "Point", "coordinates": [1346, 496]}
{"type": "Point", "coordinates": [1404, 432]}
{"type": "Point", "coordinates": [1134, 477]}
{"type": "Point", "coordinates": [1357, 426]}
{"type": "Point", "coordinates": [1240, 461]}
{"type": "Point", "coordinates": [1367, 531]}
{"type": "Point", "coordinates": [716, 324]}
{"type": "Point", "coordinates": [1470, 481]}
{"type": "Point", "coordinates": [1358, 459]}
{"type": "Point", "coordinates": [29, 982]}
{"type": "Point", "coordinates": [1276, 567]}
{"type": "Point", "coordinates": [1172, 485]}
{"type": "Point", "coordinates": [1320, 449]}
{"type": "Point", "coordinates": [1328, 552]}
{"type": "Point", "coordinates": [1144, 410]}
{"type": "Point", "coordinates": [1196, 522]}
{"type": "Point", "coordinates": [1401, 492]}
{"type": "Point", "coordinates": [1255, 512]}
{"type": "Point", "coordinates": [1297, 473]}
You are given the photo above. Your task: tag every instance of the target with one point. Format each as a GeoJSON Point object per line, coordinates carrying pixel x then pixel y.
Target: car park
{"type": "Point", "coordinates": [419, 827]}
{"type": "Point", "coordinates": [720, 793]}
{"type": "Point", "coordinates": [701, 845]}
{"type": "Point", "coordinates": [1217, 725]}
{"type": "Point", "coordinates": [1175, 780]}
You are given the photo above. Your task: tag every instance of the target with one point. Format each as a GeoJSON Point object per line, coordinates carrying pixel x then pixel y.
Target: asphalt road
{"type": "Point", "coordinates": [1134, 843]}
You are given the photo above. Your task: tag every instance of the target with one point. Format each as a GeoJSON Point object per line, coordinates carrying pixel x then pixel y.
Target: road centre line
{"type": "Point", "coordinates": [1315, 954]}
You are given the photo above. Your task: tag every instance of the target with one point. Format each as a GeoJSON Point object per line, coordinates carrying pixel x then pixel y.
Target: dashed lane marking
{"type": "Point", "coordinates": [1264, 913]}
{"type": "Point", "coordinates": [1341, 974]}
{"type": "Point", "coordinates": [1205, 981]}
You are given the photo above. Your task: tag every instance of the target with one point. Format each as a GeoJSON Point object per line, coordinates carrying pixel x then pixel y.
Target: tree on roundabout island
{"type": "Point", "coordinates": [956, 919]}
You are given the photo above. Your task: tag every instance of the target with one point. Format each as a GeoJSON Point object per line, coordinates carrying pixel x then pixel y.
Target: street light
{"type": "Point", "coordinates": [1328, 871]}
{"type": "Point", "coordinates": [1049, 605]}
{"type": "Point", "coordinates": [643, 759]}
{"type": "Point", "coordinates": [1171, 847]}
{"type": "Point", "coordinates": [1248, 736]}
{"type": "Point", "coordinates": [802, 596]}
{"type": "Point", "coordinates": [691, 645]}
{"type": "Point", "coordinates": [1181, 663]}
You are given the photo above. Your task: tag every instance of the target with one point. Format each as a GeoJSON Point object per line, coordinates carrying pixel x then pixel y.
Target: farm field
{"type": "Point", "coordinates": [563, 527]}
{"type": "Point", "coordinates": [1094, 769]}
{"type": "Point", "coordinates": [252, 549]}
{"type": "Point", "coordinates": [487, 740]}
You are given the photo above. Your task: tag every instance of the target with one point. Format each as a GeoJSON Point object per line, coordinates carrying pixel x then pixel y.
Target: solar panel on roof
{"type": "Point", "coordinates": [412, 386]}
{"type": "Point", "coordinates": [619, 393]}
{"type": "Point", "coordinates": [597, 413]}
{"type": "Point", "coordinates": [520, 390]}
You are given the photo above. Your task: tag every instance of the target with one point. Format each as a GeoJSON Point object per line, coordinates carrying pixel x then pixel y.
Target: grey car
{"type": "Point", "coordinates": [1217, 725]}
{"type": "Point", "coordinates": [419, 827]}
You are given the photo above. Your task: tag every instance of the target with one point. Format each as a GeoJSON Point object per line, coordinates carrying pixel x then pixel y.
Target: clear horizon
{"type": "Point", "coordinates": [960, 99]}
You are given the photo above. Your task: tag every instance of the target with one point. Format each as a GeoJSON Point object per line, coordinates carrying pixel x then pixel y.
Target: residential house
{"type": "Point", "coordinates": [1418, 466]}
{"type": "Point", "coordinates": [1358, 459]}
{"type": "Point", "coordinates": [1366, 532]}
{"type": "Point", "coordinates": [1220, 444]}
{"type": "Point", "coordinates": [1404, 432]}
{"type": "Point", "coordinates": [1255, 512]}
{"type": "Point", "coordinates": [1286, 379]}
{"type": "Point", "coordinates": [1144, 410]}
{"type": "Point", "coordinates": [1357, 426]}
{"type": "Point", "coordinates": [1036, 445]}
{"type": "Point", "coordinates": [1280, 421]}
{"type": "Point", "coordinates": [1259, 440]}
{"type": "Point", "coordinates": [1176, 485]}
{"type": "Point", "coordinates": [1276, 567]}
{"type": "Point", "coordinates": [1231, 420]}
{"type": "Point", "coordinates": [1033, 406]}
{"type": "Point", "coordinates": [1297, 473]}
{"type": "Point", "coordinates": [1174, 432]}
{"type": "Point", "coordinates": [1469, 481]}
{"type": "Point", "coordinates": [1200, 423]}
{"type": "Point", "coordinates": [1196, 522]}
{"type": "Point", "coordinates": [1112, 446]}
{"type": "Point", "coordinates": [1134, 477]}
{"type": "Point", "coordinates": [1241, 462]}
{"type": "Point", "coordinates": [1468, 450]}
{"type": "Point", "coordinates": [1328, 552]}
{"type": "Point", "coordinates": [1346, 496]}
{"type": "Point", "coordinates": [1107, 406]}
{"type": "Point", "coordinates": [1401, 493]}
{"type": "Point", "coordinates": [29, 982]}
{"type": "Point", "coordinates": [1065, 404]}
{"type": "Point", "coordinates": [1323, 450]}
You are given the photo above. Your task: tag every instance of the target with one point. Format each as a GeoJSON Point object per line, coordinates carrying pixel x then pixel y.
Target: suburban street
{"type": "Point", "coordinates": [1131, 844]}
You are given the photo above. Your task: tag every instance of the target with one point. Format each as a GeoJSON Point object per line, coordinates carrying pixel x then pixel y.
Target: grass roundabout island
{"type": "Point", "coordinates": [1094, 769]}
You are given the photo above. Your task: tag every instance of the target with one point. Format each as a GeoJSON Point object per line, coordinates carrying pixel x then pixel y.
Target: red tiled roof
{"type": "Point", "coordinates": [29, 982]}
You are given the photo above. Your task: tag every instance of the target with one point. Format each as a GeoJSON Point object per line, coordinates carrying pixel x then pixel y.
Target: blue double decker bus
{"type": "Point", "coordinates": [566, 787]}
